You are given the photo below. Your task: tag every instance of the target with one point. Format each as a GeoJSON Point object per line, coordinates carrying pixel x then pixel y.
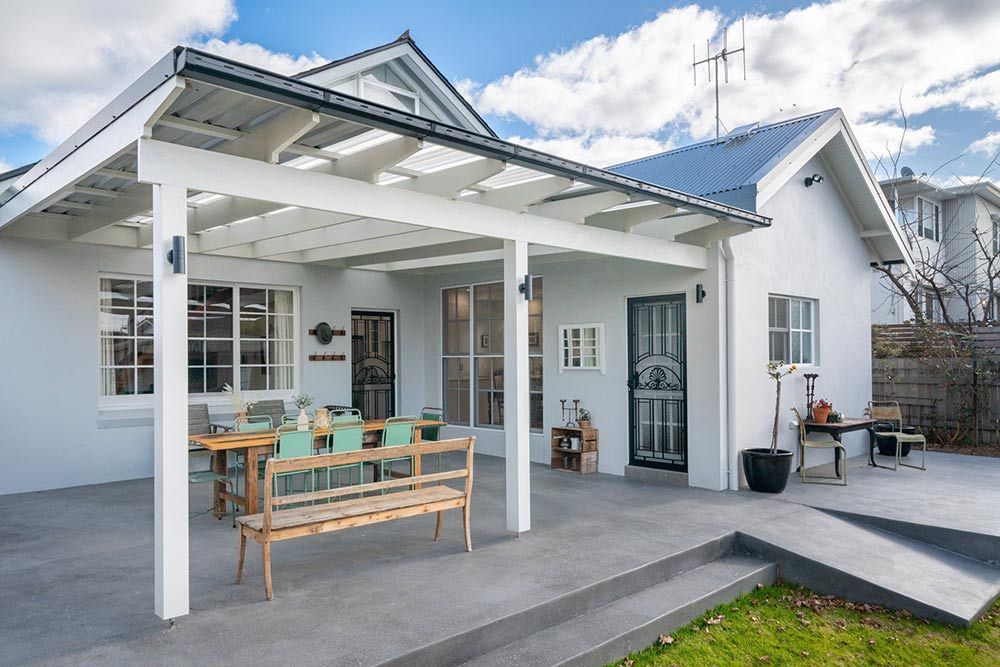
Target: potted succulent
{"type": "Point", "coordinates": [583, 418]}
{"type": "Point", "coordinates": [767, 468]}
{"type": "Point", "coordinates": [303, 401]}
{"type": "Point", "coordinates": [821, 410]}
{"type": "Point", "coordinates": [241, 406]}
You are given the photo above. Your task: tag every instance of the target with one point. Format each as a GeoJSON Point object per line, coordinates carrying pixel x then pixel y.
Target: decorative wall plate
{"type": "Point", "coordinates": [324, 333]}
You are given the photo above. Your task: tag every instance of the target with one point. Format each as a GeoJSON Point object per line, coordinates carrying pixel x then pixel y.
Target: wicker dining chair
{"type": "Point", "coordinates": [818, 441]}
{"type": "Point", "coordinates": [889, 412]}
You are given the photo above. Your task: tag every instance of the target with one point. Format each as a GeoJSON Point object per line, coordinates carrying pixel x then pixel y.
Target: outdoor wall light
{"type": "Point", "coordinates": [176, 255]}
{"type": "Point", "coordinates": [815, 178]}
{"type": "Point", "coordinates": [699, 293]}
{"type": "Point", "coordinates": [525, 287]}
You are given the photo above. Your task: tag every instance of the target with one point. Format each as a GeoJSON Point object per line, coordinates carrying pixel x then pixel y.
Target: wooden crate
{"type": "Point", "coordinates": [582, 461]}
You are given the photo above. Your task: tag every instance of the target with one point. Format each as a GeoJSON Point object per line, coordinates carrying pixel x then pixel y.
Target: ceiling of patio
{"type": "Point", "coordinates": [110, 206]}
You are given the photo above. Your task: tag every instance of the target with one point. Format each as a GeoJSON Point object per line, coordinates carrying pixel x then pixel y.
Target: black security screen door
{"type": "Point", "coordinates": [657, 386]}
{"type": "Point", "coordinates": [373, 364]}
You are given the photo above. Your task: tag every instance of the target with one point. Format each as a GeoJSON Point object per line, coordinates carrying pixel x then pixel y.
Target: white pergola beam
{"type": "Point", "coordinates": [576, 209]}
{"type": "Point", "coordinates": [412, 239]}
{"type": "Point", "coordinates": [627, 218]}
{"type": "Point", "coordinates": [267, 140]}
{"type": "Point", "coordinates": [449, 182]}
{"type": "Point", "coordinates": [170, 455]}
{"type": "Point", "coordinates": [267, 227]}
{"type": "Point", "coordinates": [93, 154]}
{"type": "Point", "coordinates": [457, 259]}
{"type": "Point", "coordinates": [134, 202]}
{"type": "Point", "coordinates": [367, 164]}
{"type": "Point", "coordinates": [517, 462]}
{"type": "Point", "coordinates": [239, 177]}
{"type": "Point", "coordinates": [346, 232]}
{"type": "Point", "coordinates": [117, 173]}
{"type": "Point", "coordinates": [518, 197]}
{"type": "Point", "coordinates": [94, 192]}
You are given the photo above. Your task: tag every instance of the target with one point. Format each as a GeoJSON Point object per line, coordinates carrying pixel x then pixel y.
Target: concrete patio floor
{"type": "Point", "coordinates": [76, 564]}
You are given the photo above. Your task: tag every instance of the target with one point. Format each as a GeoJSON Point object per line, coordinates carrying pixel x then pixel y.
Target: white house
{"type": "Point", "coordinates": [941, 226]}
{"type": "Point", "coordinates": [368, 194]}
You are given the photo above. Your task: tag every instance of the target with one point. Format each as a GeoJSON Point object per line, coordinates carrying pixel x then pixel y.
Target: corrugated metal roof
{"type": "Point", "coordinates": [726, 170]}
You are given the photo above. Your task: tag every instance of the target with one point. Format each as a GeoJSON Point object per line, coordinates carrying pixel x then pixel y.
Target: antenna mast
{"type": "Point", "coordinates": [711, 61]}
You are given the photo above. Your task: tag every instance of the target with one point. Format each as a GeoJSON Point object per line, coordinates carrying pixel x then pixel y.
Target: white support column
{"type": "Point", "coordinates": [515, 392]}
{"type": "Point", "coordinates": [170, 458]}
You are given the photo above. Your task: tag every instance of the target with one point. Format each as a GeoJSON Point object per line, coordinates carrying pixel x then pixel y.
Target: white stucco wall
{"type": "Point", "coordinates": [811, 250]}
{"type": "Point", "coordinates": [55, 434]}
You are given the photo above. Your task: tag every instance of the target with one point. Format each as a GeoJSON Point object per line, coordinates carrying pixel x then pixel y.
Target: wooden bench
{"type": "Point", "coordinates": [329, 511]}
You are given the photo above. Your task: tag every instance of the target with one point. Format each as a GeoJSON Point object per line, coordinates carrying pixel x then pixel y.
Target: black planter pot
{"type": "Point", "coordinates": [767, 472]}
{"type": "Point", "coordinates": [887, 444]}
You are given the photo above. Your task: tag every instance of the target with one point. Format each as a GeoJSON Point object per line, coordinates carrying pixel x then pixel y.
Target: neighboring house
{"type": "Point", "coordinates": [659, 298]}
{"type": "Point", "coordinates": [939, 225]}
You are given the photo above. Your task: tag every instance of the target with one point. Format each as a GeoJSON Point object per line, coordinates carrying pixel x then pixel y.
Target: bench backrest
{"type": "Point", "coordinates": [324, 461]}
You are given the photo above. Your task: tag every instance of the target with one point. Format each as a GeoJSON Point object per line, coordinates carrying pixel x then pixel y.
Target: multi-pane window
{"type": "Point", "coordinates": [256, 346]}
{"type": "Point", "coordinates": [581, 347]}
{"type": "Point", "coordinates": [473, 341]}
{"type": "Point", "coordinates": [928, 219]}
{"type": "Point", "coordinates": [996, 236]}
{"type": "Point", "coordinates": [929, 305]}
{"type": "Point", "coordinates": [456, 309]}
{"type": "Point", "coordinates": [126, 329]}
{"type": "Point", "coordinates": [791, 330]}
{"type": "Point", "coordinates": [267, 339]}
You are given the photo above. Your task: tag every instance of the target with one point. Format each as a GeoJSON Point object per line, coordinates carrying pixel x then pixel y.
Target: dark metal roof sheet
{"type": "Point", "coordinates": [729, 169]}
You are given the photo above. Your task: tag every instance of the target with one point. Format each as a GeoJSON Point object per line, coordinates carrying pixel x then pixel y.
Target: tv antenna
{"type": "Point", "coordinates": [711, 61]}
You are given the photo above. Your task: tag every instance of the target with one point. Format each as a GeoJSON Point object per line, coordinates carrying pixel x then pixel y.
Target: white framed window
{"type": "Point", "coordinates": [472, 363]}
{"type": "Point", "coordinates": [930, 308]}
{"type": "Point", "coordinates": [241, 332]}
{"type": "Point", "coordinates": [928, 219]}
{"type": "Point", "coordinates": [995, 218]}
{"type": "Point", "coordinates": [792, 325]}
{"type": "Point", "coordinates": [581, 347]}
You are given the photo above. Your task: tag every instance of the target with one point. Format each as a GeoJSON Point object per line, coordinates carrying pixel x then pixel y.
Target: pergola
{"type": "Point", "coordinates": [236, 161]}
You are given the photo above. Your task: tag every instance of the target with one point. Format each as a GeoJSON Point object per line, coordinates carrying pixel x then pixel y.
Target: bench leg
{"type": "Point", "coordinates": [265, 552]}
{"type": "Point", "coordinates": [437, 530]}
{"type": "Point", "coordinates": [243, 551]}
{"type": "Point", "coordinates": [467, 520]}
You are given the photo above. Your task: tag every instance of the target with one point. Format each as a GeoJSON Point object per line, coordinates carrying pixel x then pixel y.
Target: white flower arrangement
{"type": "Point", "coordinates": [302, 401]}
{"type": "Point", "coordinates": [239, 403]}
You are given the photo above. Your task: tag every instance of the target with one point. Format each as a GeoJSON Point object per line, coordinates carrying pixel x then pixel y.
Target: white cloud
{"type": "Point", "coordinates": [5, 166]}
{"type": "Point", "coordinates": [66, 59]}
{"type": "Point", "coordinates": [860, 55]}
{"type": "Point", "coordinates": [989, 144]}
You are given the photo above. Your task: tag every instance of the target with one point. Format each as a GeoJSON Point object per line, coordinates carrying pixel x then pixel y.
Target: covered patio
{"type": "Point", "coordinates": [218, 160]}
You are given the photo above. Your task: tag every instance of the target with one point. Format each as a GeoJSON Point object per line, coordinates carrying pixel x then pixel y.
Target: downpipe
{"type": "Point", "coordinates": [732, 451]}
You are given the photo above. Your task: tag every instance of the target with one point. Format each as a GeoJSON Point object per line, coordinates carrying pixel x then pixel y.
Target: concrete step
{"type": "Point", "coordinates": [632, 623]}
{"type": "Point", "coordinates": [858, 562]}
{"type": "Point", "coordinates": [475, 641]}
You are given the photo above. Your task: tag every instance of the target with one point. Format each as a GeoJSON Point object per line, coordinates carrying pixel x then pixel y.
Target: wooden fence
{"type": "Point", "coordinates": [937, 395]}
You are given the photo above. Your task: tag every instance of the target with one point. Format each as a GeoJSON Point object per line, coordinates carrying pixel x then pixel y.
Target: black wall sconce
{"type": "Point", "coordinates": [525, 287]}
{"type": "Point", "coordinates": [177, 256]}
{"type": "Point", "coordinates": [815, 178]}
{"type": "Point", "coordinates": [699, 293]}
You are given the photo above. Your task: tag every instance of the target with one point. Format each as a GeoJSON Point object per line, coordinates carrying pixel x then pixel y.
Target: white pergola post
{"type": "Point", "coordinates": [515, 392]}
{"type": "Point", "coordinates": [170, 462]}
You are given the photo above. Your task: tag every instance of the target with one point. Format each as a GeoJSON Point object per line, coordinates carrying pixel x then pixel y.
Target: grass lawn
{"type": "Point", "coordinates": [785, 625]}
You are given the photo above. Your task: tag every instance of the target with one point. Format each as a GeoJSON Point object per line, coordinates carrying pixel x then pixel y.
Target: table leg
{"type": "Point", "coordinates": [417, 463]}
{"type": "Point", "coordinates": [871, 447]}
{"type": "Point", "coordinates": [218, 467]}
{"type": "Point", "coordinates": [251, 490]}
{"type": "Point", "coordinates": [836, 454]}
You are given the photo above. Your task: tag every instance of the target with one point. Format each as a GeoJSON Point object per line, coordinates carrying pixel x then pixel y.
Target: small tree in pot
{"type": "Point", "coordinates": [767, 468]}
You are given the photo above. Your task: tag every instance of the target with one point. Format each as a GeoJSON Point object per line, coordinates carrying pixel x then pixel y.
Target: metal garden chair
{"type": "Point", "coordinates": [345, 437]}
{"type": "Point", "coordinates": [290, 443]}
{"type": "Point", "coordinates": [888, 412]}
{"type": "Point", "coordinates": [818, 441]}
{"type": "Point", "coordinates": [397, 431]}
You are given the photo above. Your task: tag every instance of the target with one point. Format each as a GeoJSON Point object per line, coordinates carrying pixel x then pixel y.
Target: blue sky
{"type": "Point", "coordinates": [585, 58]}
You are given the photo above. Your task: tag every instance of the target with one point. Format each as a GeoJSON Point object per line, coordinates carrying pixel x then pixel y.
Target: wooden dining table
{"type": "Point", "coordinates": [256, 444]}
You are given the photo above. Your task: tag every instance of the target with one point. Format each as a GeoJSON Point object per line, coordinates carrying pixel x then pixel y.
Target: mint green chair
{"type": "Point", "coordinates": [290, 443]}
{"type": "Point", "coordinates": [398, 431]}
{"type": "Point", "coordinates": [431, 433]}
{"type": "Point", "coordinates": [251, 424]}
{"type": "Point", "coordinates": [203, 476]}
{"type": "Point", "coordinates": [345, 437]}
